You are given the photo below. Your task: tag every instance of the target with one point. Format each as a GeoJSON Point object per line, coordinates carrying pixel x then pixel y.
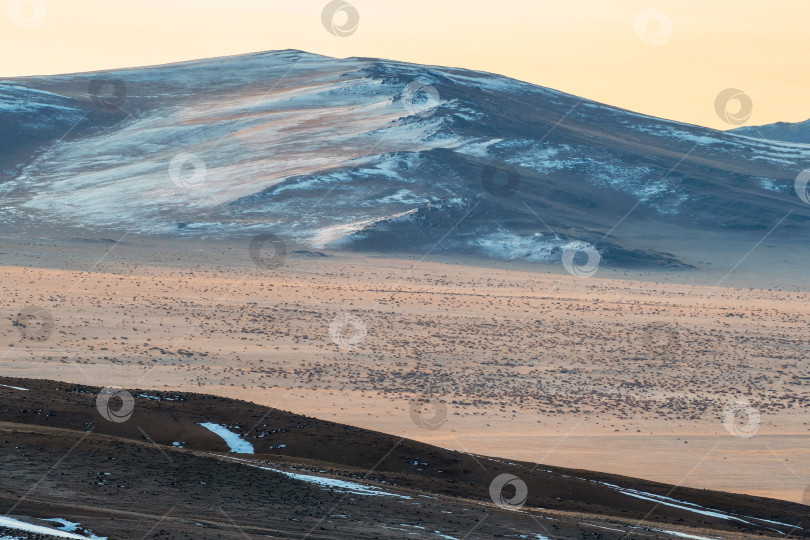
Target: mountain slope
{"type": "Point", "coordinates": [379, 155]}
{"type": "Point", "coordinates": [162, 471]}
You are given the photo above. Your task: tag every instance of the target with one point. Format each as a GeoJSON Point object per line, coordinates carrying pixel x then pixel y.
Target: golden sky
{"type": "Point", "coordinates": [667, 58]}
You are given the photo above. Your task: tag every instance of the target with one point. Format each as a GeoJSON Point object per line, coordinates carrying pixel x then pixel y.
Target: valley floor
{"type": "Point", "coordinates": [623, 375]}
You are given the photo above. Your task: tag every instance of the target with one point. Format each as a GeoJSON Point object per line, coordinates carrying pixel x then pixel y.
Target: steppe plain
{"type": "Point", "coordinates": [626, 372]}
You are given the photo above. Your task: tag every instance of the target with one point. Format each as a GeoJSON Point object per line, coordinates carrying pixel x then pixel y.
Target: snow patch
{"type": "Point", "coordinates": [769, 184]}
{"type": "Point", "coordinates": [692, 507]}
{"type": "Point", "coordinates": [674, 503]}
{"type": "Point", "coordinates": [506, 245]}
{"type": "Point", "coordinates": [12, 523]}
{"type": "Point", "coordinates": [342, 486]}
{"type": "Point", "coordinates": [685, 535]}
{"type": "Point", "coordinates": [233, 440]}
{"type": "Point", "coordinates": [328, 235]}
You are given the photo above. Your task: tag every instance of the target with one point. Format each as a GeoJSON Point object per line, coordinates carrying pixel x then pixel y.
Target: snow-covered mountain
{"type": "Point", "coordinates": [373, 154]}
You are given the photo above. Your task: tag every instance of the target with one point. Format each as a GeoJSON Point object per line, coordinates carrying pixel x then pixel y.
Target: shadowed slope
{"type": "Point", "coordinates": [308, 475]}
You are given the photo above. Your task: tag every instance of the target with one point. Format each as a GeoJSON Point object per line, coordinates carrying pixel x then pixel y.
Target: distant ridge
{"type": "Point", "coordinates": [798, 132]}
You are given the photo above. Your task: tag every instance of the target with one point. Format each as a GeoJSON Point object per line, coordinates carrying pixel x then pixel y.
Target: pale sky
{"type": "Point", "coordinates": [673, 66]}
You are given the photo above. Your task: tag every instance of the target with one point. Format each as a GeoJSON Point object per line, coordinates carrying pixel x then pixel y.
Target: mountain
{"type": "Point", "coordinates": [797, 132]}
{"type": "Point", "coordinates": [184, 465]}
{"type": "Point", "coordinates": [377, 155]}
